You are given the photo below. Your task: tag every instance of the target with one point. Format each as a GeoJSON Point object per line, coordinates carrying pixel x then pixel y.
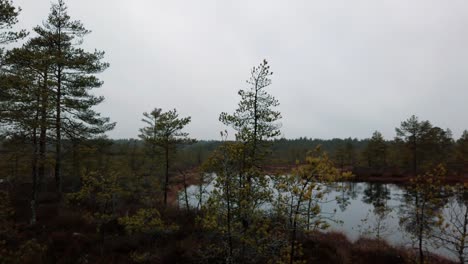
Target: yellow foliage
{"type": "Point", "coordinates": [144, 221]}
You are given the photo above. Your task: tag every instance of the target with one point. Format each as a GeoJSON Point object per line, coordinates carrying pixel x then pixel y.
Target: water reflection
{"type": "Point", "coordinates": [376, 194]}
{"type": "Point", "coordinates": [453, 235]}
{"type": "Point", "coordinates": [372, 209]}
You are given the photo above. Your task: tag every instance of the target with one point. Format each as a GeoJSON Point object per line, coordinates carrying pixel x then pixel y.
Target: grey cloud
{"type": "Point", "coordinates": [342, 68]}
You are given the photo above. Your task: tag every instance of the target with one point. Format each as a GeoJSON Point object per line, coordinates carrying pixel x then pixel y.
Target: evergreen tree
{"type": "Point", "coordinates": [149, 135]}
{"type": "Point", "coordinates": [437, 147]}
{"type": "Point", "coordinates": [26, 102]}
{"type": "Point", "coordinates": [164, 130]}
{"type": "Point", "coordinates": [412, 132]}
{"type": "Point", "coordinates": [74, 73]}
{"type": "Point", "coordinates": [376, 151]}
{"type": "Point", "coordinates": [255, 122]}
{"type": "Point", "coordinates": [8, 18]}
{"type": "Point", "coordinates": [462, 149]}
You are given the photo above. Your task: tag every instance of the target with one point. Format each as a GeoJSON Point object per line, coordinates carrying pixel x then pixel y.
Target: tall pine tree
{"type": "Point", "coordinates": [26, 109]}
{"type": "Point", "coordinates": [74, 73]}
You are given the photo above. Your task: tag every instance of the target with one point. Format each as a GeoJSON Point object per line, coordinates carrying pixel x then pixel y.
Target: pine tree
{"type": "Point", "coordinates": [255, 122]}
{"type": "Point", "coordinates": [74, 72]}
{"type": "Point", "coordinates": [462, 149]}
{"type": "Point", "coordinates": [26, 102]}
{"type": "Point", "coordinates": [8, 18]}
{"type": "Point", "coordinates": [376, 151]}
{"type": "Point", "coordinates": [412, 132]}
{"type": "Point", "coordinates": [164, 130]}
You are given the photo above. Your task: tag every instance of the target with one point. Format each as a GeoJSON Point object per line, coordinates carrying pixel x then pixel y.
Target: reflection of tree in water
{"type": "Point", "coordinates": [452, 232]}
{"type": "Point", "coordinates": [348, 191]}
{"type": "Point", "coordinates": [376, 194]}
{"type": "Point", "coordinates": [375, 223]}
{"type": "Point", "coordinates": [353, 189]}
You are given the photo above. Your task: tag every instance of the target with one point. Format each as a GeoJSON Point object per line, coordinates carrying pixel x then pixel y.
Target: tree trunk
{"type": "Point", "coordinates": [34, 176]}
{"type": "Point", "coordinates": [293, 240]}
{"type": "Point", "coordinates": [254, 147]}
{"type": "Point", "coordinates": [58, 121]}
{"type": "Point", "coordinates": [76, 162]}
{"type": "Point", "coordinates": [166, 183]}
{"type": "Point", "coordinates": [185, 192]}
{"type": "Point", "coordinates": [308, 213]}
{"type": "Point", "coordinates": [294, 221]}
{"type": "Point", "coordinates": [200, 191]}
{"type": "Point", "coordinates": [43, 129]}
{"type": "Point", "coordinates": [415, 162]}
{"type": "Point", "coordinates": [228, 201]}
{"type": "Point", "coordinates": [58, 145]}
{"type": "Point", "coordinates": [421, 233]}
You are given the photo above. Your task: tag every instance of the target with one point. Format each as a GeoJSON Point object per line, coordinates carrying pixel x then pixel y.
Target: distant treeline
{"type": "Point", "coordinates": [374, 155]}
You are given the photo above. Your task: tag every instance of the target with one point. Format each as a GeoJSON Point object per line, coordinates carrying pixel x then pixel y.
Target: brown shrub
{"type": "Point", "coordinates": [332, 247]}
{"type": "Point", "coordinates": [376, 251]}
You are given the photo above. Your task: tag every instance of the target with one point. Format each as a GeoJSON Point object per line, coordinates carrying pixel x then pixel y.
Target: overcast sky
{"type": "Point", "coordinates": [341, 68]}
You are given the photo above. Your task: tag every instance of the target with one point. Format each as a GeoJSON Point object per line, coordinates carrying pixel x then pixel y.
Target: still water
{"type": "Point", "coordinates": [350, 217]}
